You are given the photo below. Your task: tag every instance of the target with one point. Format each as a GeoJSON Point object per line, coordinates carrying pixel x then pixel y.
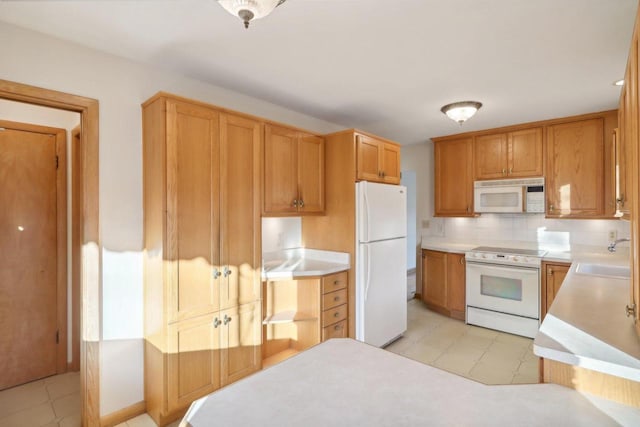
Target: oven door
{"type": "Point", "coordinates": [502, 288]}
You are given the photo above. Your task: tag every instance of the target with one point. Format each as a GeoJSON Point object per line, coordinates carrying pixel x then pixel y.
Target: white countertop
{"type": "Point", "coordinates": [302, 262]}
{"type": "Point", "coordinates": [586, 325]}
{"type": "Point", "coordinates": [343, 382]}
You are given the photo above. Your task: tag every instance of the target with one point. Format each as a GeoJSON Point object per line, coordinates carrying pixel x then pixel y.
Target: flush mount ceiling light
{"type": "Point", "coordinates": [461, 111]}
{"type": "Point", "coordinates": [248, 10]}
{"type": "Point", "coordinates": [619, 82]}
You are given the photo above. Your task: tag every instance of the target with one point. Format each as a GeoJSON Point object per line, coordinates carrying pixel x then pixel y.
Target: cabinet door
{"type": "Point", "coordinates": [491, 156]}
{"type": "Point", "coordinates": [240, 341]}
{"type": "Point", "coordinates": [390, 163]}
{"type": "Point", "coordinates": [575, 175]}
{"type": "Point", "coordinates": [456, 286]}
{"type": "Point", "coordinates": [434, 278]}
{"type": "Point", "coordinates": [368, 158]}
{"type": "Point", "coordinates": [554, 276]}
{"type": "Point", "coordinates": [280, 170]}
{"type": "Point", "coordinates": [310, 174]}
{"type": "Point", "coordinates": [240, 210]}
{"type": "Point", "coordinates": [193, 360]}
{"type": "Point", "coordinates": [525, 153]}
{"type": "Point", "coordinates": [192, 209]}
{"type": "Point", "coordinates": [453, 178]}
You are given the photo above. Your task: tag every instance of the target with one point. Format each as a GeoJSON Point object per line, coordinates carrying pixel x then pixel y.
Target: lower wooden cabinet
{"type": "Point", "coordinates": [300, 313]}
{"type": "Point", "coordinates": [443, 282]}
{"type": "Point", "coordinates": [202, 354]}
{"type": "Point", "coordinates": [553, 275]}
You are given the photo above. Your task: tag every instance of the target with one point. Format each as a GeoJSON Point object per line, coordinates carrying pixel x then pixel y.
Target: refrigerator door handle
{"type": "Point", "coordinates": [368, 261]}
{"type": "Point", "coordinates": [365, 230]}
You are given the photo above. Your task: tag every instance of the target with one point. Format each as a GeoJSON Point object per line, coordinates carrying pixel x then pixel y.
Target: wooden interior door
{"type": "Point", "coordinates": [280, 170]}
{"type": "Point", "coordinates": [311, 173]}
{"type": "Point", "coordinates": [29, 257]}
{"type": "Point", "coordinates": [240, 235]}
{"type": "Point", "coordinates": [192, 209]}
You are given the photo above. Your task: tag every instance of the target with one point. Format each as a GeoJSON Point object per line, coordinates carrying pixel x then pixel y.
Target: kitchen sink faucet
{"type": "Point", "coordinates": [612, 245]}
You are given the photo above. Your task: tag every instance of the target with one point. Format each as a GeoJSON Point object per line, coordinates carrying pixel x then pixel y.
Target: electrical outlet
{"type": "Point", "coordinates": [613, 235]}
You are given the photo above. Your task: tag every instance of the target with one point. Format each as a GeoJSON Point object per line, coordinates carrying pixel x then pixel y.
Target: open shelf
{"type": "Point", "coordinates": [287, 317]}
{"type": "Point", "coordinates": [279, 357]}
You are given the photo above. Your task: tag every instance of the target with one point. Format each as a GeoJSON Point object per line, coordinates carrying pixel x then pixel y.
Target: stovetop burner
{"type": "Point", "coordinates": [510, 251]}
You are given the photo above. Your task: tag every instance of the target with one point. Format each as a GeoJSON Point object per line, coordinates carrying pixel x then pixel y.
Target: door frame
{"type": "Point", "coordinates": [60, 136]}
{"type": "Point", "coordinates": [90, 280]}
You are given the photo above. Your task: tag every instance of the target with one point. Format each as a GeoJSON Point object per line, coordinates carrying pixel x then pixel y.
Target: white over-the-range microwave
{"type": "Point", "coordinates": [509, 196]}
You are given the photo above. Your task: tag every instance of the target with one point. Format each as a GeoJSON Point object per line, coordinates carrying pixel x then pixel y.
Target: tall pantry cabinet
{"type": "Point", "coordinates": [202, 251]}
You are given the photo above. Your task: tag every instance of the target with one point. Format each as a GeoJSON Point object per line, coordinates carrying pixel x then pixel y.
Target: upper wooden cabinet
{"type": "Point", "coordinates": [515, 154]}
{"type": "Point", "coordinates": [575, 174]}
{"type": "Point", "coordinates": [377, 160]}
{"type": "Point", "coordinates": [202, 239]}
{"type": "Point", "coordinates": [453, 165]}
{"type": "Point", "coordinates": [293, 172]}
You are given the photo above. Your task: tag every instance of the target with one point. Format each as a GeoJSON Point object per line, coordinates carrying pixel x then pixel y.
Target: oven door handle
{"type": "Point", "coordinates": [502, 267]}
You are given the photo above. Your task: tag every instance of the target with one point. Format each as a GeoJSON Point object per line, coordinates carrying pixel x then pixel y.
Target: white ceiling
{"type": "Point", "coordinates": [384, 66]}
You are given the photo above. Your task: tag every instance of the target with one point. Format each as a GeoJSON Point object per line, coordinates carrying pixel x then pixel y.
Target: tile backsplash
{"type": "Point", "coordinates": [557, 233]}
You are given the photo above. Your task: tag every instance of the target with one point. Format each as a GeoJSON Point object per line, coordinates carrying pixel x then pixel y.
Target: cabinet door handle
{"type": "Point", "coordinates": [510, 171]}
{"type": "Point", "coordinates": [620, 200]}
{"type": "Point", "coordinates": [295, 203]}
{"type": "Point", "coordinates": [462, 261]}
{"type": "Point", "coordinates": [550, 208]}
{"type": "Point", "coordinates": [383, 174]}
{"type": "Point", "coordinates": [550, 272]}
{"type": "Point", "coordinates": [468, 209]}
{"type": "Point", "coordinates": [227, 272]}
{"type": "Point", "coordinates": [630, 310]}
{"type": "Point", "coordinates": [216, 322]}
{"type": "Point", "coordinates": [216, 273]}
{"type": "Point", "coordinates": [504, 171]}
{"type": "Point", "coordinates": [227, 319]}
{"type": "Point", "coordinates": [301, 203]}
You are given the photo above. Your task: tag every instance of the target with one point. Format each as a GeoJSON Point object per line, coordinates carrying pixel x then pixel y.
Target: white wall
{"type": "Point", "coordinates": [409, 181]}
{"type": "Point", "coordinates": [51, 117]}
{"type": "Point", "coordinates": [120, 86]}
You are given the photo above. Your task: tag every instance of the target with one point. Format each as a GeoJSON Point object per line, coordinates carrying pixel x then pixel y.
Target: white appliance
{"type": "Point", "coordinates": [503, 289]}
{"type": "Point", "coordinates": [509, 196]}
{"type": "Point", "coordinates": [381, 252]}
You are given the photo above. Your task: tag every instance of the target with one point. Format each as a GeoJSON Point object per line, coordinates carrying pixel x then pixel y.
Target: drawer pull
{"type": "Point", "coordinates": [336, 314]}
{"type": "Point", "coordinates": [336, 298]}
{"type": "Point", "coordinates": [335, 282]}
{"type": "Point", "coordinates": [337, 328]}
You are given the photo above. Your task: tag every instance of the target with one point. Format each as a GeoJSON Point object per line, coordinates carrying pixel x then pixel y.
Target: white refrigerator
{"type": "Point", "coordinates": [381, 262]}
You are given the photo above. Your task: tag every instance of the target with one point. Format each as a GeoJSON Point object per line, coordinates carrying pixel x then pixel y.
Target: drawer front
{"type": "Point", "coordinates": [334, 299]}
{"type": "Point", "coordinates": [334, 282]}
{"type": "Point", "coordinates": [339, 330]}
{"type": "Point", "coordinates": [334, 315]}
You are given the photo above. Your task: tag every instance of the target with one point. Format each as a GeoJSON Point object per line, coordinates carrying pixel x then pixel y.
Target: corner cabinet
{"type": "Point", "coordinates": [516, 154]}
{"type": "Point", "coordinates": [302, 312]}
{"type": "Point", "coordinates": [293, 172]}
{"type": "Point", "coordinates": [201, 251]}
{"type": "Point", "coordinates": [443, 282]}
{"type": "Point", "coordinates": [453, 165]}
{"type": "Point", "coordinates": [377, 160]}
